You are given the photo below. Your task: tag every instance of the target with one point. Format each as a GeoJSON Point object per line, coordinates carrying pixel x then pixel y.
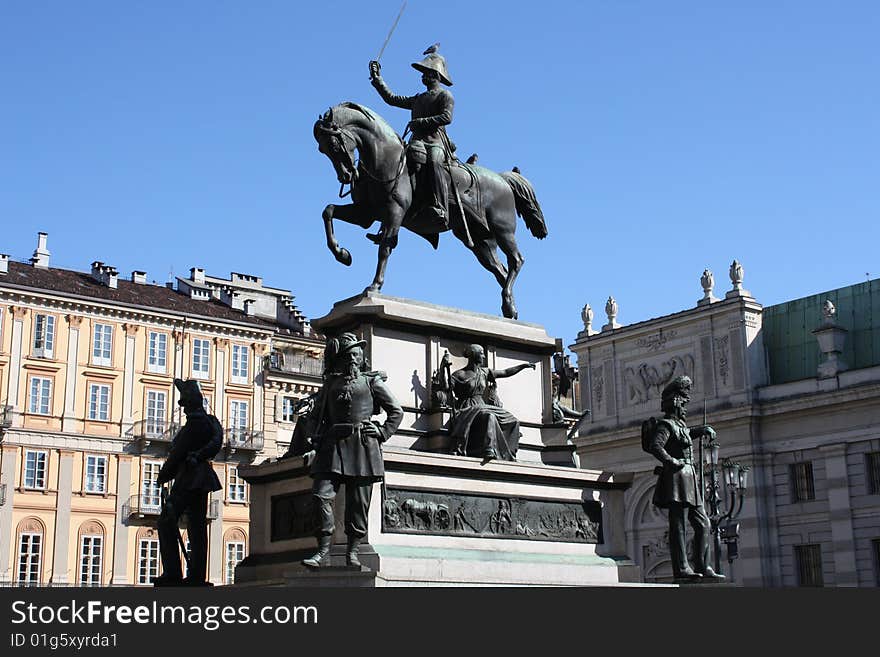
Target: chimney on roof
{"type": "Point", "coordinates": [139, 277]}
{"type": "Point", "coordinates": [197, 275]}
{"type": "Point", "coordinates": [105, 274]}
{"type": "Point", "coordinates": [41, 253]}
{"type": "Point", "coordinates": [250, 307]}
{"type": "Point", "coordinates": [4, 263]}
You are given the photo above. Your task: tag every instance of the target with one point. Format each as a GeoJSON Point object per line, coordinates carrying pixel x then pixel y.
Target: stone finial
{"type": "Point", "coordinates": [707, 280]}
{"type": "Point", "coordinates": [736, 277]}
{"type": "Point", "coordinates": [829, 312]}
{"type": "Point", "coordinates": [611, 309]}
{"type": "Point", "coordinates": [587, 318]}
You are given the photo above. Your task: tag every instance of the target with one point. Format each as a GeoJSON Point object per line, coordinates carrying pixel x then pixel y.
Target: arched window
{"type": "Point", "coordinates": [91, 553]}
{"type": "Point", "coordinates": [30, 551]}
{"type": "Point", "coordinates": [147, 557]}
{"type": "Point", "coordinates": [235, 547]}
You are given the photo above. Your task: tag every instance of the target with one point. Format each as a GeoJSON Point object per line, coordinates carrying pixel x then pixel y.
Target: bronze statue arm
{"type": "Point", "coordinates": [386, 401]}
{"type": "Point", "coordinates": [510, 371]}
{"type": "Point", "coordinates": [405, 102]}
{"type": "Point", "coordinates": [658, 449]}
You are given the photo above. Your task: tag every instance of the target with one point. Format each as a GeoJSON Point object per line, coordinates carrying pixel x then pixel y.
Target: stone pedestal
{"type": "Point", "coordinates": [443, 520]}
{"type": "Point", "coordinates": [407, 339]}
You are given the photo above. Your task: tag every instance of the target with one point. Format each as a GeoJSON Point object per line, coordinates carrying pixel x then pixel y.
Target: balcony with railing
{"type": "Point", "coordinates": [142, 506]}
{"type": "Point", "coordinates": [153, 430]}
{"type": "Point", "coordinates": [243, 440]}
{"type": "Point", "coordinates": [149, 506]}
{"type": "Point", "coordinates": [294, 363]}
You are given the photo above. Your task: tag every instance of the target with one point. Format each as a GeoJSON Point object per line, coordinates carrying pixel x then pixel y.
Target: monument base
{"type": "Point", "coordinates": [442, 520]}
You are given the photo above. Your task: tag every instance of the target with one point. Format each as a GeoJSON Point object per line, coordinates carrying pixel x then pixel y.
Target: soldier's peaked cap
{"type": "Point", "coordinates": [434, 61]}
{"type": "Point", "coordinates": [680, 386]}
{"type": "Point", "coordinates": [188, 389]}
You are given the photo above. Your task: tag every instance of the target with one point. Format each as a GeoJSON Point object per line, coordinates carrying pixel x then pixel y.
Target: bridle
{"type": "Point", "coordinates": [336, 137]}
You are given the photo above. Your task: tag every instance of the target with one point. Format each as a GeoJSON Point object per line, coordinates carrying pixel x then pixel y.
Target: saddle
{"type": "Point", "coordinates": [466, 183]}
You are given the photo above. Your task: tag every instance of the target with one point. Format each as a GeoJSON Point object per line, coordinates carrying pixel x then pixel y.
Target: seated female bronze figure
{"type": "Point", "coordinates": [480, 426]}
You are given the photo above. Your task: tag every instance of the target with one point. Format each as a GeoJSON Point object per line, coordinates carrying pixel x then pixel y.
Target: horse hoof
{"type": "Point", "coordinates": [509, 311]}
{"type": "Point", "coordinates": [344, 257]}
{"type": "Point", "coordinates": [372, 288]}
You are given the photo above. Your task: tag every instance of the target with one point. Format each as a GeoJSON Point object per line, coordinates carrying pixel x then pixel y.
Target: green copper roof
{"type": "Point", "coordinates": [792, 349]}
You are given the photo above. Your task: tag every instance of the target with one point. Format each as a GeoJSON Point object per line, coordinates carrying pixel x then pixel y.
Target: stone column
{"type": "Point", "coordinates": [120, 545]}
{"type": "Point", "coordinates": [840, 514]}
{"type": "Point", "coordinates": [8, 468]}
{"type": "Point", "coordinates": [257, 421]}
{"type": "Point", "coordinates": [60, 558]}
{"type": "Point", "coordinates": [759, 561]}
{"type": "Point", "coordinates": [220, 379]}
{"type": "Point", "coordinates": [128, 380]}
{"type": "Point", "coordinates": [12, 387]}
{"type": "Point", "coordinates": [68, 419]}
{"type": "Point", "coordinates": [215, 533]}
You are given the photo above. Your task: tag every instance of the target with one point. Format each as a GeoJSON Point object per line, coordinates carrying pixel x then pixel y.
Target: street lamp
{"type": "Point", "coordinates": [725, 502]}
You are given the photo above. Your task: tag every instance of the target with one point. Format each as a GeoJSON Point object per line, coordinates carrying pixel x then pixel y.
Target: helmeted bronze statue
{"type": "Point", "coordinates": [194, 480]}
{"type": "Point", "coordinates": [480, 426]}
{"type": "Point", "coordinates": [347, 442]}
{"type": "Point", "coordinates": [429, 150]}
{"type": "Point", "coordinates": [679, 489]}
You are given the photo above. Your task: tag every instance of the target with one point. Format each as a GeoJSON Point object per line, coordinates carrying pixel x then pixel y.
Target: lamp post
{"type": "Point", "coordinates": [725, 500]}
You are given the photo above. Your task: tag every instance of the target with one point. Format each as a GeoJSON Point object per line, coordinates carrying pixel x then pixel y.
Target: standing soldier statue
{"type": "Point", "coordinates": [429, 151]}
{"type": "Point", "coordinates": [678, 488]}
{"type": "Point", "coordinates": [194, 480]}
{"type": "Point", "coordinates": [347, 442]}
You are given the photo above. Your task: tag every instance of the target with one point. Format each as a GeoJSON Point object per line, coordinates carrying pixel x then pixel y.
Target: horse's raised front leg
{"type": "Point", "coordinates": [386, 246]}
{"type": "Point", "coordinates": [351, 214]}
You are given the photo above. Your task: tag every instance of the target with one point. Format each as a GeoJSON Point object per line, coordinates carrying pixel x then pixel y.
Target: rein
{"type": "Point", "coordinates": [359, 166]}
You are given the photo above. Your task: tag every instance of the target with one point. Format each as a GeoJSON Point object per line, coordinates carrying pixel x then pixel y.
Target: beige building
{"type": "Point", "coordinates": [88, 410]}
{"type": "Point", "coordinates": [793, 391]}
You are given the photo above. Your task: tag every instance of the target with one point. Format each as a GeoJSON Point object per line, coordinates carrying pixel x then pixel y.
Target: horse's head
{"type": "Point", "coordinates": [338, 144]}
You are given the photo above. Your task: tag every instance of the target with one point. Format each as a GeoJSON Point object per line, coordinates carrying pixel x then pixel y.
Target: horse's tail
{"type": "Point", "coordinates": [527, 205]}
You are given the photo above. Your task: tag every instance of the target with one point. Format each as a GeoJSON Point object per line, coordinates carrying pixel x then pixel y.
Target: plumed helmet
{"type": "Point", "coordinates": [679, 387]}
{"type": "Point", "coordinates": [341, 344]}
{"type": "Point", "coordinates": [190, 393]}
{"type": "Point", "coordinates": [434, 61]}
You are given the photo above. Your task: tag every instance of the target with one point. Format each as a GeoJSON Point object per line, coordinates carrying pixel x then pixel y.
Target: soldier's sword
{"type": "Point", "coordinates": [391, 31]}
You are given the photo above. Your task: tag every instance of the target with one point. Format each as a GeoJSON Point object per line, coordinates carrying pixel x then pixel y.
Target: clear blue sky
{"type": "Point", "coordinates": [661, 137]}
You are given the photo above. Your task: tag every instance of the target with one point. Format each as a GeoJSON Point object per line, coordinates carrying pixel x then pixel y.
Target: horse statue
{"type": "Point", "coordinates": [482, 210]}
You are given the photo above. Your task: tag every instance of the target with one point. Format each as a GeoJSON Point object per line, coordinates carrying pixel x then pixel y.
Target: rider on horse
{"type": "Point", "coordinates": [428, 152]}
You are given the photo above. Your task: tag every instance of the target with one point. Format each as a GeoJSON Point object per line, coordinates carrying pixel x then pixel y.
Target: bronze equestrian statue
{"type": "Point", "coordinates": [480, 206]}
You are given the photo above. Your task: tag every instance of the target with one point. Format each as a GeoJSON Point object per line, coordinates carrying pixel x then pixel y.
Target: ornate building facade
{"type": "Point", "coordinates": [793, 391]}
{"type": "Point", "coordinates": [88, 411]}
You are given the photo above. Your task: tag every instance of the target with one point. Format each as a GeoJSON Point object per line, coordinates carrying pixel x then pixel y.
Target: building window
{"type": "Point", "coordinates": [157, 355]}
{"type": "Point", "coordinates": [41, 396]}
{"type": "Point", "coordinates": [236, 488]}
{"type": "Point", "coordinates": [287, 406]}
{"type": "Point", "coordinates": [238, 418]}
{"type": "Point", "coordinates": [96, 474]}
{"type": "Point", "coordinates": [200, 358]}
{"type": "Point", "coordinates": [30, 548]}
{"type": "Point", "coordinates": [102, 344]}
{"type": "Point", "coordinates": [99, 402]}
{"type": "Point", "coordinates": [35, 469]}
{"type": "Point", "coordinates": [240, 356]}
{"type": "Point", "coordinates": [809, 564]}
{"type": "Point", "coordinates": [148, 560]}
{"type": "Point", "coordinates": [150, 489]}
{"type": "Point", "coordinates": [872, 472]}
{"type": "Point", "coordinates": [90, 551]}
{"type": "Point", "coordinates": [155, 412]}
{"type": "Point", "coordinates": [234, 555]}
{"type": "Point", "coordinates": [44, 336]}
{"type": "Point", "coordinates": [802, 488]}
